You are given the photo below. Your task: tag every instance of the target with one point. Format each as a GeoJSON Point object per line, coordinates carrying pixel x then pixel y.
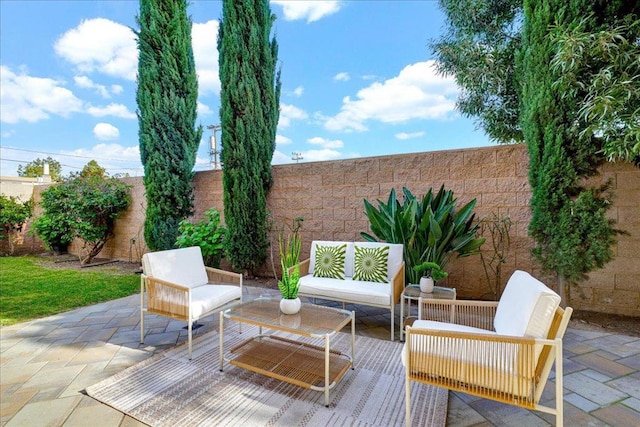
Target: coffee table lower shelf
{"type": "Point", "coordinates": [295, 362]}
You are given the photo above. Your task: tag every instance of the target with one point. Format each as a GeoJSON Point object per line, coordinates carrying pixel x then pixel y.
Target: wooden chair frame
{"type": "Point", "coordinates": [512, 370]}
{"type": "Point", "coordinates": [173, 300]}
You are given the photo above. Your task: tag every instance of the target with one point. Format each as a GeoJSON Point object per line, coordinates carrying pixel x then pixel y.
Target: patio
{"type": "Point", "coordinates": [47, 362]}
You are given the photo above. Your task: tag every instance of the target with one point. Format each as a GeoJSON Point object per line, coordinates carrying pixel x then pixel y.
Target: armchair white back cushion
{"type": "Point", "coordinates": [181, 266]}
{"type": "Point", "coordinates": [526, 307]}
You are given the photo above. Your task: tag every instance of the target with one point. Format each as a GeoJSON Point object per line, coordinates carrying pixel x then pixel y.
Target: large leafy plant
{"type": "Point", "coordinates": [431, 228]}
{"type": "Point", "coordinates": [207, 233]}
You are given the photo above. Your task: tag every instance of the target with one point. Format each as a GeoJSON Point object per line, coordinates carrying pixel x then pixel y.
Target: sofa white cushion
{"type": "Point", "coordinates": [181, 266]}
{"type": "Point", "coordinates": [346, 290]}
{"type": "Point", "coordinates": [395, 258]}
{"type": "Point", "coordinates": [209, 297]}
{"type": "Point", "coordinates": [348, 261]}
{"type": "Point", "coordinates": [526, 307]}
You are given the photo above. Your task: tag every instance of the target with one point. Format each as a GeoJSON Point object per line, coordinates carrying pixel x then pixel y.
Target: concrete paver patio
{"type": "Point", "coordinates": [46, 363]}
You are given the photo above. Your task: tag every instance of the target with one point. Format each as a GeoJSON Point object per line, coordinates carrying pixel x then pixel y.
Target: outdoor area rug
{"type": "Point", "coordinates": [170, 390]}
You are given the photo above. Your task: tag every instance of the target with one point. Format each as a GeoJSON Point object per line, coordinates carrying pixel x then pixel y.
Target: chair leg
{"type": "Point", "coordinates": [141, 318]}
{"type": "Point", "coordinates": [393, 314]}
{"type": "Point", "coordinates": [559, 385]}
{"type": "Point", "coordinates": [407, 400]}
{"type": "Point", "coordinates": [190, 329]}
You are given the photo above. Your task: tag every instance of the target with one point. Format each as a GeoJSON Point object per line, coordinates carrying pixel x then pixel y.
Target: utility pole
{"type": "Point", "coordinates": [296, 156]}
{"type": "Point", "coordinates": [213, 146]}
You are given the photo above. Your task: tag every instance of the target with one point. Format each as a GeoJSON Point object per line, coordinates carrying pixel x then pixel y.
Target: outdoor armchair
{"type": "Point", "coordinates": [177, 284]}
{"type": "Point", "coordinates": [502, 350]}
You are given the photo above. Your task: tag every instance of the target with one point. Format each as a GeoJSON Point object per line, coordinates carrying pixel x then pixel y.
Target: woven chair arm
{"type": "Point", "coordinates": [167, 298]}
{"type": "Point", "coordinates": [304, 267]}
{"type": "Point", "coordinates": [397, 284]}
{"type": "Point", "coordinates": [486, 364]}
{"type": "Point", "coordinates": [218, 276]}
{"type": "Point", "coordinates": [477, 314]}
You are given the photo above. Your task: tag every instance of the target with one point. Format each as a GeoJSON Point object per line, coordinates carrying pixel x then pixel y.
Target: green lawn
{"type": "Point", "coordinates": [29, 290]}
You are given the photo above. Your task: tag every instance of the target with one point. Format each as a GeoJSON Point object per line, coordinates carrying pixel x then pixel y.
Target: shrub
{"type": "Point", "coordinates": [431, 228]}
{"type": "Point", "coordinates": [13, 215]}
{"type": "Point", "coordinates": [207, 233]}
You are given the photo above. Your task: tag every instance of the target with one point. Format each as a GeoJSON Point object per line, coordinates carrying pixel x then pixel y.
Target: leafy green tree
{"type": "Point", "coordinates": [167, 101]}
{"type": "Point", "coordinates": [13, 215]}
{"type": "Point", "coordinates": [249, 114]}
{"type": "Point", "coordinates": [569, 221]}
{"type": "Point", "coordinates": [35, 168]}
{"type": "Point", "coordinates": [478, 47]}
{"type": "Point", "coordinates": [610, 58]}
{"type": "Point", "coordinates": [85, 207]}
{"type": "Point", "coordinates": [93, 169]}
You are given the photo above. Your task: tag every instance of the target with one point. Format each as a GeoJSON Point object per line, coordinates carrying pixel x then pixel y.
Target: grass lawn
{"type": "Point", "coordinates": [29, 290]}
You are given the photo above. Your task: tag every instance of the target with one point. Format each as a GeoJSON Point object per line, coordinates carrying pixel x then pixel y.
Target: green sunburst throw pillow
{"type": "Point", "coordinates": [329, 261]}
{"type": "Point", "coordinates": [370, 264]}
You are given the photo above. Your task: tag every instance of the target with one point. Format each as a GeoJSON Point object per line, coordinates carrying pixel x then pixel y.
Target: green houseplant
{"type": "Point", "coordinates": [289, 248]}
{"type": "Point", "coordinates": [431, 274]}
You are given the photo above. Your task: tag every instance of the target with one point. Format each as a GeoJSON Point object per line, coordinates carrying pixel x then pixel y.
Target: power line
{"type": "Point", "coordinates": [69, 155]}
{"type": "Point", "coordinates": [24, 162]}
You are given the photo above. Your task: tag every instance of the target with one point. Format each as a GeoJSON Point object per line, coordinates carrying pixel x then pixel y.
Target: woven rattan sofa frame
{"type": "Point", "coordinates": [420, 366]}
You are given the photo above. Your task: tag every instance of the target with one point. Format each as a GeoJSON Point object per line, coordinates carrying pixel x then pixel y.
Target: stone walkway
{"type": "Point", "coordinates": [46, 363]}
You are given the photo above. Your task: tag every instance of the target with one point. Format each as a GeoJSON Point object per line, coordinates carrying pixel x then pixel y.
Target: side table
{"type": "Point", "coordinates": [412, 293]}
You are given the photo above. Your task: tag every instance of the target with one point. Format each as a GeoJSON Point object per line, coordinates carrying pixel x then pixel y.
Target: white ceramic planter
{"type": "Point", "coordinates": [426, 285]}
{"type": "Point", "coordinates": [290, 306]}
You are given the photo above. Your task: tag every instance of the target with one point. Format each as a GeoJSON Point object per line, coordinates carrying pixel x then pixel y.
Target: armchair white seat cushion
{"type": "Point", "coordinates": [178, 285]}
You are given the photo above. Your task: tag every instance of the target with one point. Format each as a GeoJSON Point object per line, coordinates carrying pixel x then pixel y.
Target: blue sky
{"type": "Point", "coordinates": [357, 81]}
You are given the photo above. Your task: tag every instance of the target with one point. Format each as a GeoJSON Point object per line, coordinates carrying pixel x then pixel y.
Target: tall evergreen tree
{"type": "Point", "coordinates": [167, 101]}
{"type": "Point", "coordinates": [249, 113]}
{"type": "Point", "coordinates": [569, 221]}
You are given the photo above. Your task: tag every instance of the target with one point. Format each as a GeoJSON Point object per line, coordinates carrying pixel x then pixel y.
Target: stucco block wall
{"type": "Point", "coordinates": [329, 196]}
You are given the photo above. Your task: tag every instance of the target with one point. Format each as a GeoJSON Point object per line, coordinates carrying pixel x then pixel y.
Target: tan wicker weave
{"type": "Point", "coordinates": [512, 370]}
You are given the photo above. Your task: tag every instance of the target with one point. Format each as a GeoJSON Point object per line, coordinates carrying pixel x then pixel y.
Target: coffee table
{"type": "Point", "coordinates": [317, 367]}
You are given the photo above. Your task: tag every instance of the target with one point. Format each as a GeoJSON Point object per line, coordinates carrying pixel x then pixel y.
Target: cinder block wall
{"type": "Point", "coordinates": [329, 196]}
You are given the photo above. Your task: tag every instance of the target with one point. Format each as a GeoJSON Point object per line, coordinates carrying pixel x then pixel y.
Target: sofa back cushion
{"type": "Point", "coordinates": [348, 261]}
{"type": "Point", "coordinates": [526, 307]}
{"type": "Point", "coordinates": [181, 266]}
{"type": "Point", "coordinates": [394, 259]}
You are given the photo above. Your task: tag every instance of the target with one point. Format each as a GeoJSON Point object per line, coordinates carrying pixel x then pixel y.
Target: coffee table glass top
{"type": "Point", "coordinates": [312, 320]}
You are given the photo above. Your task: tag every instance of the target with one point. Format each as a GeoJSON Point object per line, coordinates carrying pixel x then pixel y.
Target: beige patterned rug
{"type": "Point", "coordinates": [170, 390]}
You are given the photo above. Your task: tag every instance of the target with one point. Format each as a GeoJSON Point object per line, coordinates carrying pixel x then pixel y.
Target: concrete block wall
{"type": "Point", "coordinates": [329, 196]}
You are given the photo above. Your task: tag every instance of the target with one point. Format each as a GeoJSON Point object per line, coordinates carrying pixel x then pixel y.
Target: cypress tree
{"type": "Point", "coordinates": [167, 101]}
{"type": "Point", "coordinates": [249, 113]}
{"type": "Point", "coordinates": [569, 219]}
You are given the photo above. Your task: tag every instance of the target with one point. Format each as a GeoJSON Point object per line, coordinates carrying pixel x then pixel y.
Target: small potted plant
{"type": "Point", "coordinates": [431, 274]}
{"type": "Point", "coordinates": [289, 284]}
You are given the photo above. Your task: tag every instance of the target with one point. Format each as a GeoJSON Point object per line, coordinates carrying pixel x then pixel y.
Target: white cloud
{"type": "Point", "coordinates": [280, 158]}
{"type": "Point", "coordinates": [298, 91]}
{"type": "Point", "coordinates": [311, 10]}
{"type": "Point", "coordinates": [8, 133]}
{"type": "Point", "coordinates": [405, 135]}
{"type": "Point", "coordinates": [418, 92]}
{"type": "Point", "coordinates": [114, 157]}
{"type": "Point", "coordinates": [326, 143]}
{"type": "Point", "coordinates": [30, 99]}
{"type": "Point", "coordinates": [321, 155]}
{"type": "Point", "coordinates": [289, 113]}
{"type": "Point", "coordinates": [106, 131]}
{"type": "Point", "coordinates": [117, 110]}
{"type": "Point", "coordinates": [86, 83]}
{"type": "Point", "coordinates": [116, 89]}
{"type": "Point", "coordinates": [342, 77]}
{"type": "Point", "coordinates": [100, 45]}
{"type": "Point", "coordinates": [282, 140]}
{"type": "Point", "coordinates": [203, 109]}
{"type": "Point", "coordinates": [205, 52]}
